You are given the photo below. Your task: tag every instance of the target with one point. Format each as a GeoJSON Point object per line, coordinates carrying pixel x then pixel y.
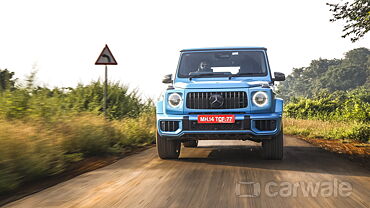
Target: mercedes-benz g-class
{"type": "Point", "coordinates": [220, 93]}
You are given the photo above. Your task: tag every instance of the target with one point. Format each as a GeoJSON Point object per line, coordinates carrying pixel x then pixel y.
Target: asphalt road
{"type": "Point", "coordinates": [216, 175]}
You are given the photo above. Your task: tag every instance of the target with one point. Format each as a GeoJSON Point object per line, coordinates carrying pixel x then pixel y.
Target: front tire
{"type": "Point", "coordinates": [168, 149]}
{"type": "Point", "coordinates": [191, 143]}
{"type": "Point", "coordinates": [273, 148]}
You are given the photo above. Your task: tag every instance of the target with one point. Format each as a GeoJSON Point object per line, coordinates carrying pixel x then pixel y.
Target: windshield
{"type": "Point", "coordinates": [222, 63]}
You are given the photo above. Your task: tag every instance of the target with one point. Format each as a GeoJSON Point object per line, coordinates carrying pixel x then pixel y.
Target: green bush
{"type": "Point", "coordinates": [137, 131]}
{"type": "Point", "coordinates": [359, 132]}
{"type": "Point", "coordinates": [339, 106]}
{"type": "Point", "coordinates": [14, 104]}
{"type": "Point", "coordinates": [121, 102]}
{"type": "Point", "coordinates": [48, 104]}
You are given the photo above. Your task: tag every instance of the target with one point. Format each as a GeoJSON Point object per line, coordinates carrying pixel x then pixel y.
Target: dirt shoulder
{"type": "Point", "coordinates": [73, 170]}
{"type": "Point", "coordinates": [355, 151]}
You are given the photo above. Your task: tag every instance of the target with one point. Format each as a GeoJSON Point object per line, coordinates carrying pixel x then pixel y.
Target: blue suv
{"type": "Point", "coordinates": [220, 93]}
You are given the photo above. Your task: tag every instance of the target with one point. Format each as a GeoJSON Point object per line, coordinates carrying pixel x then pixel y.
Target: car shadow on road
{"type": "Point", "coordinates": [296, 158]}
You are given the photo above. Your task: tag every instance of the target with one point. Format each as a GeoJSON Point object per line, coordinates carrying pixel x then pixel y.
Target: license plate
{"type": "Point", "coordinates": [216, 118]}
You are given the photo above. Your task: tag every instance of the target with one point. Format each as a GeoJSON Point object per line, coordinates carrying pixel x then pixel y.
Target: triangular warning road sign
{"type": "Point", "coordinates": [106, 57]}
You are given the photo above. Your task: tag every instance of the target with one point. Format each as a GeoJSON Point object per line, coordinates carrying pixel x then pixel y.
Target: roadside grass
{"type": "Point", "coordinates": [26, 153]}
{"type": "Point", "coordinates": [30, 150]}
{"type": "Point", "coordinates": [136, 131]}
{"type": "Point", "coordinates": [46, 131]}
{"type": "Point", "coordinates": [342, 130]}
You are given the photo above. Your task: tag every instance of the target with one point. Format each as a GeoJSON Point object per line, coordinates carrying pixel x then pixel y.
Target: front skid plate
{"type": "Point", "coordinates": [219, 137]}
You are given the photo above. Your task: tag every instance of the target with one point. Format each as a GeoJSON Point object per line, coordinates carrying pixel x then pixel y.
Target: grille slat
{"type": "Point", "coordinates": [169, 125]}
{"type": "Point", "coordinates": [243, 99]}
{"type": "Point", "coordinates": [226, 101]}
{"type": "Point", "coordinates": [234, 100]}
{"type": "Point", "coordinates": [207, 104]}
{"type": "Point", "coordinates": [240, 101]}
{"type": "Point", "coordinates": [231, 100]}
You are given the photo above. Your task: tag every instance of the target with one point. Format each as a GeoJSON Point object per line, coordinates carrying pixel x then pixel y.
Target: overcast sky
{"type": "Point", "coordinates": [62, 39]}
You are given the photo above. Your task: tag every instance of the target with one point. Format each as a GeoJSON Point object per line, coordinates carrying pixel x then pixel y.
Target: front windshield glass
{"type": "Point", "coordinates": [222, 63]}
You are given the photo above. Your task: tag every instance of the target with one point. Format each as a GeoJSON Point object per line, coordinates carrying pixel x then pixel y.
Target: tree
{"type": "Point", "coordinates": [7, 81]}
{"type": "Point", "coordinates": [328, 75]}
{"type": "Point", "coordinates": [358, 56]}
{"type": "Point", "coordinates": [343, 78]}
{"type": "Point", "coordinates": [356, 16]}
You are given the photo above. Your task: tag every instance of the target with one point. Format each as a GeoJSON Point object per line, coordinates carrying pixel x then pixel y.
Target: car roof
{"type": "Point", "coordinates": [223, 48]}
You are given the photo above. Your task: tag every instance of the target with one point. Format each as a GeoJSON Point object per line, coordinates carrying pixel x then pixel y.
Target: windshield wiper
{"type": "Point", "coordinates": [194, 75]}
{"type": "Point", "coordinates": [243, 74]}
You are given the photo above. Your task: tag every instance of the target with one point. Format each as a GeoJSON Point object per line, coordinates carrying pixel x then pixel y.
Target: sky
{"type": "Point", "coordinates": [62, 39]}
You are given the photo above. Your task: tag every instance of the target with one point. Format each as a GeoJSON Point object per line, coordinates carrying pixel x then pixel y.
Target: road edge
{"type": "Point", "coordinates": [76, 169]}
{"type": "Point", "coordinates": [341, 149]}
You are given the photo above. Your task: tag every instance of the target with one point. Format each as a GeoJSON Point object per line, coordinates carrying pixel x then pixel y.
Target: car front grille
{"type": "Point", "coordinates": [266, 125]}
{"type": "Point", "coordinates": [224, 100]}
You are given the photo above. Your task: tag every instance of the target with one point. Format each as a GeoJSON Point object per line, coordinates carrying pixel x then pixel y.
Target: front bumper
{"type": "Point", "coordinates": [248, 125]}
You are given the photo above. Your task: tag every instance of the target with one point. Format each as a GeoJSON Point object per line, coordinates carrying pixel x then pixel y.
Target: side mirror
{"type": "Point", "coordinates": [167, 79]}
{"type": "Point", "coordinates": [278, 76]}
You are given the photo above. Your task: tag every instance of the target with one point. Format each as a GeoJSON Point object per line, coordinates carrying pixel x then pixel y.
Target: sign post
{"type": "Point", "coordinates": [106, 58]}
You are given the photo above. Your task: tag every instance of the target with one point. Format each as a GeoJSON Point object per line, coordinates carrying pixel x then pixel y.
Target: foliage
{"type": "Point", "coordinates": [356, 16]}
{"type": "Point", "coordinates": [30, 150]}
{"type": "Point", "coordinates": [87, 134]}
{"type": "Point", "coordinates": [48, 104]}
{"type": "Point", "coordinates": [326, 75]}
{"type": "Point", "coordinates": [43, 131]}
{"type": "Point", "coordinates": [339, 106]}
{"type": "Point", "coordinates": [121, 102]}
{"type": "Point", "coordinates": [327, 129]}
{"type": "Point", "coordinates": [330, 98]}
{"type": "Point", "coordinates": [137, 131]}
{"type": "Point", "coordinates": [337, 115]}
{"type": "Point", "coordinates": [27, 153]}
{"type": "Point", "coordinates": [7, 81]}
{"type": "Point", "coordinates": [359, 132]}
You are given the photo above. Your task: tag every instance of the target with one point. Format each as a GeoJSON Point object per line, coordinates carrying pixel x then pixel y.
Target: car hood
{"type": "Point", "coordinates": [218, 84]}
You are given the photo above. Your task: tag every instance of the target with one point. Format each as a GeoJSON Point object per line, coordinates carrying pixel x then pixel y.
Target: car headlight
{"type": "Point", "coordinates": [260, 99]}
{"type": "Point", "coordinates": [174, 100]}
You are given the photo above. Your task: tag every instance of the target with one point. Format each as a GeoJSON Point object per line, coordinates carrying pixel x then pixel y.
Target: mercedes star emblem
{"type": "Point", "coordinates": [216, 101]}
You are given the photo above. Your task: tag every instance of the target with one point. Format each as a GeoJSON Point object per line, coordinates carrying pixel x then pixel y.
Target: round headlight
{"type": "Point", "coordinates": [260, 99]}
{"type": "Point", "coordinates": [174, 100]}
